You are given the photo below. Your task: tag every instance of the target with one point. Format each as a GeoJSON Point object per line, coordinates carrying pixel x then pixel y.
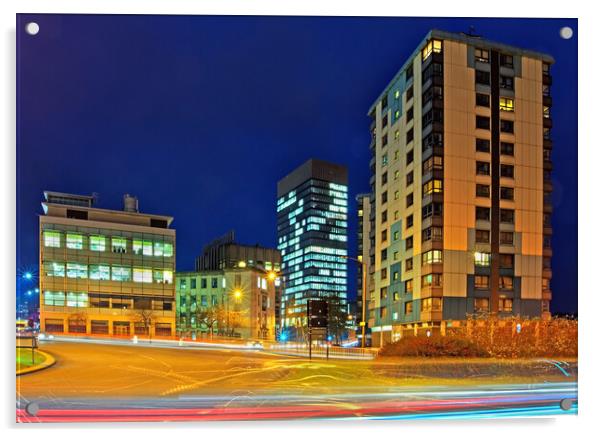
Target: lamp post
{"type": "Point", "coordinates": [364, 277]}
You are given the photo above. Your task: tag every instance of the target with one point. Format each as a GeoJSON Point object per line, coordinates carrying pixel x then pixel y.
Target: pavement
{"type": "Point", "coordinates": [118, 382]}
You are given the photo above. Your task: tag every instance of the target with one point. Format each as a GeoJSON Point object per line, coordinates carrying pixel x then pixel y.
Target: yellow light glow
{"type": "Point", "coordinates": [237, 293]}
{"type": "Point", "coordinates": [271, 276]}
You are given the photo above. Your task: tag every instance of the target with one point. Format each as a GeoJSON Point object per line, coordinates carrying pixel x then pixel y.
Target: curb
{"type": "Point", "coordinates": [48, 362]}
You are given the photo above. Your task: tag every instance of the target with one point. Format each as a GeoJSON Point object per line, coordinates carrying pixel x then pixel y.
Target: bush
{"type": "Point", "coordinates": [487, 336]}
{"type": "Point", "coordinates": [435, 346]}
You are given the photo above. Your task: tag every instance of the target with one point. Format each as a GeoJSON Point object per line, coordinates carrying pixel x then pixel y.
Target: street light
{"type": "Point", "coordinates": [364, 275]}
{"type": "Point", "coordinates": [27, 276]}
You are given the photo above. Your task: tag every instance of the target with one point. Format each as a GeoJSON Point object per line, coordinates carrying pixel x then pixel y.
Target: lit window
{"type": "Point", "coordinates": [505, 305]}
{"type": "Point", "coordinates": [433, 45]}
{"type": "Point", "coordinates": [546, 112]}
{"type": "Point", "coordinates": [75, 241]}
{"type": "Point", "coordinates": [481, 281]}
{"type": "Point", "coordinates": [482, 259]}
{"type": "Point", "coordinates": [397, 94]}
{"type": "Point", "coordinates": [54, 298]}
{"type": "Point", "coordinates": [97, 243]}
{"type": "Point", "coordinates": [481, 55]}
{"type": "Point", "coordinates": [481, 304]}
{"type": "Point", "coordinates": [432, 257]}
{"type": "Point", "coordinates": [432, 186]}
{"type": "Point", "coordinates": [432, 280]}
{"type": "Point", "coordinates": [167, 249]}
{"type": "Point", "coordinates": [143, 275]}
{"type": "Point", "coordinates": [506, 104]}
{"type": "Point", "coordinates": [118, 245]}
{"type": "Point", "coordinates": [54, 269]}
{"type": "Point", "coordinates": [120, 273]}
{"type": "Point", "coordinates": [52, 239]}
{"type": "Point", "coordinates": [158, 248]}
{"type": "Point", "coordinates": [506, 283]}
{"type": "Point", "coordinates": [75, 270]}
{"type": "Point", "coordinates": [100, 272]}
{"type": "Point", "coordinates": [161, 276]}
{"type": "Point", "coordinates": [77, 299]}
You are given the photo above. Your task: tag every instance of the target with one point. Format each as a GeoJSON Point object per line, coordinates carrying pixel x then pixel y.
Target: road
{"type": "Point", "coordinates": [104, 382]}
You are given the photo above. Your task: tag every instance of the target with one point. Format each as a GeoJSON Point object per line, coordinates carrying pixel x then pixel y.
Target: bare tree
{"type": "Point", "coordinates": [147, 318]}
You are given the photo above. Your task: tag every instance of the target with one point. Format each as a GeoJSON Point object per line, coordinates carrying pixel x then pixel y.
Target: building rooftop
{"type": "Point", "coordinates": [464, 38]}
{"type": "Point", "coordinates": [313, 169]}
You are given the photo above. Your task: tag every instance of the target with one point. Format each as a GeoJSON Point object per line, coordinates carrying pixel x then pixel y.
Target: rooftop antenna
{"type": "Point", "coordinates": [472, 33]}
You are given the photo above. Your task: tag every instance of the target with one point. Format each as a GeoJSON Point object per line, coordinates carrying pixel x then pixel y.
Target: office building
{"type": "Point", "coordinates": [237, 302]}
{"type": "Point", "coordinates": [312, 238]}
{"type": "Point", "coordinates": [461, 178]}
{"type": "Point", "coordinates": [105, 272]}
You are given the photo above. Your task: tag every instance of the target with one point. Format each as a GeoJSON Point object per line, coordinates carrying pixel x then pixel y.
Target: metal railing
{"type": "Point", "coordinates": [324, 351]}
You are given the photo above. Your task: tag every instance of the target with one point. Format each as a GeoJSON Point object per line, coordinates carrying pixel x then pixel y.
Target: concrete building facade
{"type": "Point", "coordinates": [237, 302]}
{"type": "Point", "coordinates": [105, 272]}
{"type": "Point", "coordinates": [461, 178]}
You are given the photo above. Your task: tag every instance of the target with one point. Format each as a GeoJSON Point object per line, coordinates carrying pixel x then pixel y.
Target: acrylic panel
{"type": "Point", "coordinates": [249, 218]}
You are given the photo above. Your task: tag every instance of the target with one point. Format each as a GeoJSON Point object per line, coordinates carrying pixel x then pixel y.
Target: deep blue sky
{"type": "Point", "coordinates": [200, 116]}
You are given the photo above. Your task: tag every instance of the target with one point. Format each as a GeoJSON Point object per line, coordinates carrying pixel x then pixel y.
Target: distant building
{"type": "Point", "coordinates": [365, 253]}
{"type": "Point", "coordinates": [312, 238]}
{"type": "Point", "coordinates": [461, 178]}
{"type": "Point", "coordinates": [103, 271]}
{"type": "Point", "coordinates": [239, 302]}
{"type": "Point", "coordinates": [225, 253]}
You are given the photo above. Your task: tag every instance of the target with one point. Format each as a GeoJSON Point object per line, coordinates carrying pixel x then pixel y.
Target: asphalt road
{"type": "Point", "coordinates": [98, 382]}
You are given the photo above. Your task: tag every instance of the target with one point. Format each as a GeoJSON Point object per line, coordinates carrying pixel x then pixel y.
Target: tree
{"type": "Point", "coordinates": [209, 316]}
{"type": "Point", "coordinates": [146, 317]}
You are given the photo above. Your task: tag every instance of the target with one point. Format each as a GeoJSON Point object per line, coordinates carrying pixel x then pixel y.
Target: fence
{"type": "Point", "coordinates": [324, 351]}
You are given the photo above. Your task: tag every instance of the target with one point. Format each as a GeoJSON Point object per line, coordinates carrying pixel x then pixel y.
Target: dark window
{"type": "Point", "coordinates": [507, 238]}
{"type": "Point", "coordinates": [410, 157]}
{"type": "Point", "coordinates": [385, 102]}
{"type": "Point", "coordinates": [507, 61]}
{"type": "Point", "coordinates": [410, 136]}
{"type": "Point", "coordinates": [434, 233]}
{"type": "Point", "coordinates": [547, 175]}
{"type": "Point", "coordinates": [383, 216]}
{"type": "Point", "coordinates": [385, 121]}
{"type": "Point", "coordinates": [482, 122]}
{"type": "Point", "coordinates": [482, 190]}
{"type": "Point", "coordinates": [482, 213]}
{"type": "Point", "coordinates": [385, 140]}
{"type": "Point", "coordinates": [547, 262]}
{"type": "Point", "coordinates": [383, 235]}
{"type": "Point", "coordinates": [507, 126]}
{"type": "Point", "coordinates": [435, 69]}
{"type": "Point", "coordinates": [409, 221]}
{"type": "Point", "coordinates": [507, 215]}
{"type": "Point", "coordinates": [409, 72]}
{"type": "Point", "coordinates": [203, 282]}
{"type": "Point", "coordinates": [506, 193]}
{"type": "Point", "coordinates": [545, 68]}
{"type": "Point", "coordinates": [410, 114]}
{"type": "Point", "coordinates": [383, 178]}
{"type": "Point", "coordinates": [409, 242]}
{"type": "Point", "coordinates": [483, 100]}
{"type": "Point", "coordinates": [383, 197]}
{"type": "Point", "coordinates": [482, 77]}
{"type": "Point", "coordinates": [507, 82]}
{"type": "Point", "coordinates": [507, 149]}
{"type": "Point", "coordinates": [547, 220]}
{"type": "Point", "coordinates": [409, 264]}
{"type": "Point", "coordinates": [409, 200]}
{"type": "Point", "coordinates": [434, 115]}
{"type": "Point", "coordinates": [483, 145]}
{"type": "Point", "coordinates": [432, 140]}
{"type": "Point", "coordinates": [383, 273]}
{"type": "Point", "coordinates": [482, 236]}
{"type": "Point", "coordinates": [409, 93]}
{"type": "Point", "coordinates": [482, 168]}
{"type": "Point", "coordinates": [432, 209]}
{"type": "Point", "coordinates": [193, 283]}
{"type": "Point", "coordinates": [75, 214]}
{"type": "Point", "coordinates": [433, 93]}
{"type": "Point", "coordinates": [545, 90]}
{"type": "Point", "coordinates": [383, 254]}
{"type": "Point", "coordinates": [507, 171]}
{"type": "Point", "coordinates": [158, 223]}
{"type": "Point", "coordinates": [409, 178]}
{"type": "Point", "coordinates": [547, 242]}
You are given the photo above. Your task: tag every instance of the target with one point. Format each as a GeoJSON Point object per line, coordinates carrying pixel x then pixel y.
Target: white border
{"type": "Point", "coordinates": [589, 195]}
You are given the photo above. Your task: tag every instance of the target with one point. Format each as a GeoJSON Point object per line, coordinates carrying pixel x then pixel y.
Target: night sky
{"type": "Point", "coordinates": [200, 116]}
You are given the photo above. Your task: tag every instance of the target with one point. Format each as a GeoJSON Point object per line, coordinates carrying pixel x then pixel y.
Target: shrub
{"type": "Point", "coordinates": [435, 346]}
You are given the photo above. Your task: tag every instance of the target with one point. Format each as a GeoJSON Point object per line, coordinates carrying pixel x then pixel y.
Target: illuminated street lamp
{"type": "Point", "coordinates": [27, 276]}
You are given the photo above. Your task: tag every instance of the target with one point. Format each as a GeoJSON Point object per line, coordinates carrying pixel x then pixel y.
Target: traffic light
{"type": "Point", "coordinates": [317, 313]}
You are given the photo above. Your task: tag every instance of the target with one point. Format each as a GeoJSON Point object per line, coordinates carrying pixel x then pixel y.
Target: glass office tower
{"type": "Point", "coordinates": [312, 238]}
